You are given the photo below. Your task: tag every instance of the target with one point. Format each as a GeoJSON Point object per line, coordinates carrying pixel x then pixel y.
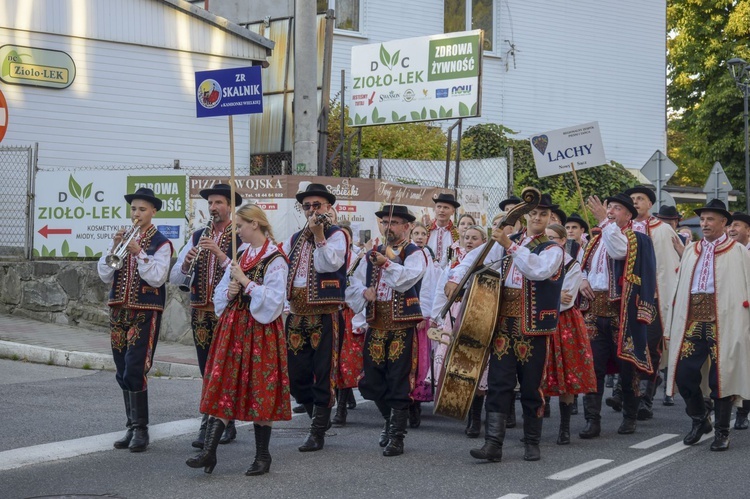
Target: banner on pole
{"type": "Point", "coordinates": [225, 92]}
{"type": "Point", "coordinates": [554, 151]}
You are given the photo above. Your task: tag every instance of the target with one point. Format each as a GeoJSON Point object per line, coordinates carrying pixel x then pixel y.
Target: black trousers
{"type": "Point", "coordinates": [603, 333]}
{"type": "Point", "coordinates": [515, 355]}
{"type": "Point", "coordinates": [387, 358]}
{"type": "Point", "coordinates": [133, 336]}
{"type": "Point", "coordinates": [312, 355]}
{"type": "Point", "coordinates": [203, 323]}
{"type": "Point", "coordinates": [698, 344]}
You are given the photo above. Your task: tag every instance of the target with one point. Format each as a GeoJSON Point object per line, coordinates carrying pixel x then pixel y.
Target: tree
{"type": "Point", "coordinates": [706, 124]}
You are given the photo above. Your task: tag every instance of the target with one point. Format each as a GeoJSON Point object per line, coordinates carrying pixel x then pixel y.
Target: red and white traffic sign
{"type": "Point", "coordinates": [3, 116]}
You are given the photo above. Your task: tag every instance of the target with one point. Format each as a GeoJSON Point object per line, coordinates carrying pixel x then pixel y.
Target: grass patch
{"type": "Point", "coordinates": [86, 366]}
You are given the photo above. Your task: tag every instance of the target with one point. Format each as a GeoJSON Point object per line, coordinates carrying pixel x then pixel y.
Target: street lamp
{"type": "Point", "coordinates": [740, 71]}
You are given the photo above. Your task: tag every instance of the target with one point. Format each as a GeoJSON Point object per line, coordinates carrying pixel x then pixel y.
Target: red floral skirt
{"type": "Point", "coordinates": [570, 364]}
{"type": "Point", "coordinates": [350, 358]}
{"type": "Point", "coordinates": [246, 375]}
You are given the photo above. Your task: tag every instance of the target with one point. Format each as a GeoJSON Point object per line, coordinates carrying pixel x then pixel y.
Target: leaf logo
{"type": "Point", "coordinates": [75, 190]}
{"type": "Point", "coordinates": [387, 59]}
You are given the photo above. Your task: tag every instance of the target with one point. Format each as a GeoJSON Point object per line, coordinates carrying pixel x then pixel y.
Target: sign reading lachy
{"type": "Point", "coordinates": [36, 67]}
{"type": "Point", "coordinates": [225, 92]}
{"type": "Point", "coordinates": [416, 79]}
{"type": "Point", "coordinates": [555, 151]}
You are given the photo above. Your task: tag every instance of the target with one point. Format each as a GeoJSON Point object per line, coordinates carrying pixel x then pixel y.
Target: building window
{"type": "Point", "coordinates": [466, 15]}
{"type": "Point", "coordinates": [348, 13]}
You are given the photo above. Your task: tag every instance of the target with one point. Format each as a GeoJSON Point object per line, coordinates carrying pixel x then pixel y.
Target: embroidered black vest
{"type": "Point", "coordinates": [255, 274]}
{"type": "Point", "coordinates": [200, 294]}
{"type": "Point", "coordinates": [540, 299]}
{"type": "Point", "coordinates": [405, 306]}
{"type": "Point", "coordinates": [322, 288]}
{"type": "Point", "coordinates": [128, 289]}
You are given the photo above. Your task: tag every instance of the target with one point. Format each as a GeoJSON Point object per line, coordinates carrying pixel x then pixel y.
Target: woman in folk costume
{"type": "Point", "coordinates": [422, 391]}
{"type": "Point", "coordinates": [246, 374]}
{"type": "Point", "coordinates": [457, 248]}
{"type": "Point", "coordinates": [473, 237]}
{"type": "Point", "coordinates": [570, 364]}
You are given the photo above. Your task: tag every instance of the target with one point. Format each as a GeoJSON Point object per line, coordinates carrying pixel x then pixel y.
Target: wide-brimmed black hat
{"type": "Point", "coordinates": [398, 211]}
{"type": "Point", "coordinates": [742, 217]}
{"type": "Point", "coordinates": [575, 217]}
{"type": "Point", "coordinates": [718, 206]}
{"type": "Point", "coordinates": [560, 214]}
{"type": "Point", "coordinates": [545, 202]}
{"type": "Point", "coordinates": [448, 198]}
{"type": "Point", "coordinates": [511, 200]}
{"type": "Point", "coordinates": [147, 195]}
{"type": "Point", "coordinates": [316, 190]}
{"type": "Point", "coordinates": [668, 213]}
{"type": "Point", "coordinates": [642, 189]}
{"type": "Point", "coordinates": [222, 190]}
{"type": "Point", "coordinates": [624, 200]}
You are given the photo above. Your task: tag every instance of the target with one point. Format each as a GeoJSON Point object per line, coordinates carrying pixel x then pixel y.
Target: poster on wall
{"type": "Point", "coordinates": [77, 213]}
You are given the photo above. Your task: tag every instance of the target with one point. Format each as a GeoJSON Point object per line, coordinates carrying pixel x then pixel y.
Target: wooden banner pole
{"type": "Point", "coordinates": [584, 212]}
{"type": "Point", "coordinates": [232, 187]}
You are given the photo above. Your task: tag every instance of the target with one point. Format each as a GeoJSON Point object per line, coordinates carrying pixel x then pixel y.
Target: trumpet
{"type": "Point", "coordinates": [116, 259]}
{"type": "Point", "coordinates": [188, 277]}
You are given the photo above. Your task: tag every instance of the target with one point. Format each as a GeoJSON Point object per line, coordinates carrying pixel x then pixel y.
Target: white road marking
{"type": "Point", "coordinates": [579, 470]}
{"type": "Point", "coordinates": [513, 496]}
{"type": "Point", "coordinates": [651, 442]}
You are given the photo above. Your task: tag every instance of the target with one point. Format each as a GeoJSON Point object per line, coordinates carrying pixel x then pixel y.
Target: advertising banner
{"type": "Point", "coordinates": [416, 79]}
{"type": "Point", "coordinates": [76, 214]}
{"type": "Point", "coordinates": [225, 92]}
{"type": "Point", "coordinates": [555, 151]}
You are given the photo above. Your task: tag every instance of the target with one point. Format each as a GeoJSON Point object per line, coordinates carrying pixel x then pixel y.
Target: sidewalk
{"type": "Point", "coordinates": [68, 346]}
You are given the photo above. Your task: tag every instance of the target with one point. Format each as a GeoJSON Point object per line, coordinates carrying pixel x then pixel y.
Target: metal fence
{"type": "Point", "coordinates": [16, 194]}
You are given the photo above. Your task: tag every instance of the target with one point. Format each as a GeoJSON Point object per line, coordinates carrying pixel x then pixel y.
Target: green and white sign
{"type": "Point", "coordinates": [36, 67]}
{"type": "Point", "coordinates": [417, 79]}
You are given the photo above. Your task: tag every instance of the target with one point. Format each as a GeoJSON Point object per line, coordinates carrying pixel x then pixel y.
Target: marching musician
{"type": "Point", "coordinates": [388, 287]}
{"type": "Point", "coordinates": [441, 232]}
{"type": "Point", "coordinates": [201, 265]}
{"type": "Point", "coordinates": [534, 269]}
{"type": "Point", "coordinates": [318, 255]}
{"type": "Point", "coordinates": [137, 266]}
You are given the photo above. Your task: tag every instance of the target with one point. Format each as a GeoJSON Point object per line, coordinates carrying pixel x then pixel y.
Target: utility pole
{"type": "Point", "coordinates": [305, 151]}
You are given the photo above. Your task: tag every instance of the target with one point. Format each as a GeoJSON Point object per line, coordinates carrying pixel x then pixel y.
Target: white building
{"type": "Point", "coordinates": [548, 64]}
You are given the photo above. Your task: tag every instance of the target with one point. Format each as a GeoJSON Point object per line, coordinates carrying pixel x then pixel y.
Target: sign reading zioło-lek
{"type": "Point", "coordinates": [224, 92]}
{"type": "Point", "coordinates": [555, 151]}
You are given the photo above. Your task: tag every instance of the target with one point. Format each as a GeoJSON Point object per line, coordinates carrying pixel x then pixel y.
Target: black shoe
{"type": "Point", "coordinates": [741, 422]}
{"type": "Point", "coordinates": [547, 411]}
{"type": "Point", "coordinates": [644, 412]}
{"type": "Point", "coordinates": [139, 411]}
{"type": "Point", "coordinates": [615, 402]}
{"type": "Point", "coordinates": [262, 462]}
{"type": "Point", "coordinates": [627, 426]}
{"type": "Point", "coordinates": [318, 426]}
{"type": "Point", "coordinates": [474, 425]}
{"type": "Point", "coordinates": [124, 442]}
{"type": "Point", "coordinates": [574, 407]}
{"type": "Point", "coordinates": [396, 433]}
{"type": "Point", "coordinates": [230, 433]}
{"type": "Point", "coordinates": [415, 414]}
{"type": "Point", "coordinates": [351, 401]}
{"type": "Point", "coordinates": [701, 426]}
{"type": "Point", "coordinates": [339, 419]}
{"type": "Point", "coordinates": [592, 404]}
{"type": "Point", "coordinates": [563, 436]}
{"type": "Point", "coordinates": [298, 409]}
{"type": "Point", "coordinates": [532, 432]}
{"type": "Point", "coordinates": [608, 382]}
{"type": "Point", "coordinates": [383, 441]}
{"type": "Point", "coordinates": [592, 429]}
{"type": "Point", "coordinates": [198, 442]}
{"type": "Point", "coordinates": [629, 413]}
{"type": "Point", "coordinates": [668, 400]}
{"type": "Point", "coordinates": [723, 411]}
{"type": "Point", "coordinates": [494, 434]}
{"type": "Point", "coordinates": [206, 459]}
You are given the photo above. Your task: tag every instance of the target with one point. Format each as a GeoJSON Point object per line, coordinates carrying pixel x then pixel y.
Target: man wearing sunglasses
{"type": "Point", "coordinates": [315, 289]}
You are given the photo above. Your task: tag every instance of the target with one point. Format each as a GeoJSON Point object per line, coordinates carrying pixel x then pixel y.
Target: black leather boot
{"type": "Point", "coordinates": [315, 440]}
{"type": "Point", "coordinates": [741, 423]}
{"type": "Point", "coordinates": [395, 446]}
{"type": "Point", "coordinates": [547, 409]}
{"type": "Point", "coordinates": [298, 409]}
{"type": "Point", "coordinates": [723, 412]}
{"type": "Point", "coordinates": [385, 411]}
{"type": "Point", "coordinates": [206, 459]}
{"type": "Point", "coordinates": [574, 408]}
{"type": "Point", "coordinates": [646, 403]}
{"type": "Point", "coordinates": [629, 413]}
{"type": "Point", "coordinates": [615, 401]}
{"type": "Point", "coordinates": [230, 433]}
{"type": "Point", "coordinates": [309, 409]}
{"type": "Point", "coordinates": [494, 435]}
{"type": "Point", "coordinates": [124, 442]}
{"type": "Point", "coordinates": [696, 409]}
{"type": "Point", "coordinates": [415, 414]}
{"type": "Point", "coordinates": [511, 417]}
{"type": "Point", "coordinates": [339, 419]}
{"type": "Point", "coordinates": [474, 426]}
{"type": "Point", "coordinates": [351, 401]}
{"type": "Point", "coordinates": [532, 434]}
{"type": "Point", "coordinates": [592, 406]}
{"type": "Point", "coordinates": [262, 462]}
{"type": "Point", "coordinates": [198, 442]}
{"type": "Point", "coordinates": [139, 411]}
{"type": "Point", "coordinates": [563, 436]}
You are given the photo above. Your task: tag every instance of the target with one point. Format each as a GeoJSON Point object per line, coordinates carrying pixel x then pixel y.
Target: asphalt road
{"type": "Point", "coordinates": [57, 426]}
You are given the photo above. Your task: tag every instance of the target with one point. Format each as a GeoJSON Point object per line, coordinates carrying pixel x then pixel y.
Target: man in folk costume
{"type": "Point", "coordinates": [664, 239]}
{"type": "Point", "coordinates": [507, 205]}
{"type": "Point", "coordinates": [739, 230]}
{"type": "Point", "coordinates": [710, 324]}
{"type": "Point", "coordinates": [576, 227]}
{"type": "Point", "coordinates": [388, 287]}
{"type": "Point", "coordinates": [136, 302]}
{"type": "Point", "coordinates": [619, 284]}
{"type": "Point", "coordinates": [315, 290]}
{"type": "Point", "coordinates": [200, 265]}
{"type": "Point", "coordinates": [532, 282]}
{"type": "Point", "coordinates": [441, 233]}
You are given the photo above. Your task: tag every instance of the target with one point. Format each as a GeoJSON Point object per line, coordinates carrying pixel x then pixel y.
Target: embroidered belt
{"type": "Point", "coordinates": [702, 308]}
{"type": "Point", "coordinates": [510, 305]}
{"type": "Point", "coordinates": [298, 304]}
{"type": "Point", "coordinates": [602, 307]}
{"type": "Point", "coordinates": [384, 320]}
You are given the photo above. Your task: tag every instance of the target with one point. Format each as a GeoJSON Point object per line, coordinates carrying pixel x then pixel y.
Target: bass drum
{"type": "Point", "coordinates": [472, 338]}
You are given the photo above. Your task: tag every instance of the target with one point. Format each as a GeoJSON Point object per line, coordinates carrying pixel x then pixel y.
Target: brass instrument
{"type": "Point", "coordinates": [188, 277]}
{"type": "Point", "coordinates": [116, 258]}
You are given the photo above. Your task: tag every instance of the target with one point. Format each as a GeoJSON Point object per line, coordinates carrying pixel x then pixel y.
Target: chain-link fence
{"type": "Point", "coordinates": [16, 191]}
